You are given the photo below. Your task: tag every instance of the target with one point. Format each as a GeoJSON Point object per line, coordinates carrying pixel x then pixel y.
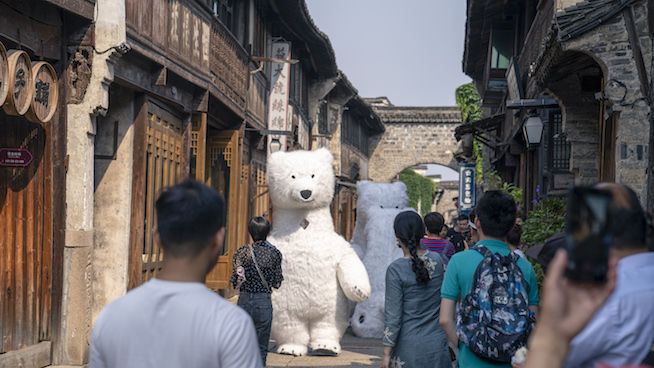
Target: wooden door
{"type": "Point", "coordinates": [607, 148]}
{"type": "Point", "coordinates": [223, 173]}
{"type": "Point", "coordinates": [26, 236]}
{"type": "Point", "coordinates": [163, 137]}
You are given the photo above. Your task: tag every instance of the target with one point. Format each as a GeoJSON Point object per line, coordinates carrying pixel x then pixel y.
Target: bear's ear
{"type": "Point", "coordinates": [400, 186]}
{"type": "Point", "coordinates": [324, 155]}
{"type": "Point", "coordinates": [362, 184]}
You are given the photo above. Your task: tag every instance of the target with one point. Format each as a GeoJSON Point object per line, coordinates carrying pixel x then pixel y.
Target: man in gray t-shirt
{"type": "Point", "coordinates": [174, 320]}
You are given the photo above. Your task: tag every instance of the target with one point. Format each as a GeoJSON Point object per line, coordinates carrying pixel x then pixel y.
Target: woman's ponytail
{"type": "Point", "coordinates": [410, 229]}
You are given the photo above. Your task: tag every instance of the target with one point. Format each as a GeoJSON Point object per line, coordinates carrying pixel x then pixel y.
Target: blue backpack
{"type": "Point", "coordinates": [494, 319]}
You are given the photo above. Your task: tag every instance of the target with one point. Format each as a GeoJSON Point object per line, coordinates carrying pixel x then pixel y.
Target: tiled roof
{"type": "Point", "coordinates": [587, 15]}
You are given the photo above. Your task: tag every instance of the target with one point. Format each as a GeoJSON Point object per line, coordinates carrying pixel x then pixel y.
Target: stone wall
{"type": "Point", "coordinates": [609, 45]}
{"type": "Point", "coordinates": [70, 348]}
{"type": "Point", "coordinates": [113, 194]}
{"type": "Point", "coordinates": [408, 144]}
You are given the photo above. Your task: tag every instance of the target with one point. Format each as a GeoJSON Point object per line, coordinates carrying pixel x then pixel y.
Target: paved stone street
{"type": "Point", "coordinates": [356, 352]}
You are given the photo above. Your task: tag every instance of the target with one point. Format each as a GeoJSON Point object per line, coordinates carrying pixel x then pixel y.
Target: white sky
{"type": "Point", "coordinates": [409, 51]}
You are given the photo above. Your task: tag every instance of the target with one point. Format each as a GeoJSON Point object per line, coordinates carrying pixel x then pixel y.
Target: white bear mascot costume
{"type": "Point", "coordinates": [320, 268]}
{"type": "Point", "coordinates": [374, 239]}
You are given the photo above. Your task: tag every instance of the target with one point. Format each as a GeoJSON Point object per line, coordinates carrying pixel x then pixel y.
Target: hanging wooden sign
{"type": "Point", "coordinates": [21, 90]}
{"type": "Point", "coordinates": [4, 74]}
{"type": "Point", "coordinates": [44, 101]}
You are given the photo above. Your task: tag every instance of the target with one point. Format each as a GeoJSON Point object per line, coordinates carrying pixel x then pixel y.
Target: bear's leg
{"type": "Point", "coordinates": [325, 337]}
{"type": "Point", "coordinates": [290, 333]}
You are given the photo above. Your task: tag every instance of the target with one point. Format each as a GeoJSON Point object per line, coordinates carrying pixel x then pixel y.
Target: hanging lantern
{"type": "Point", "coordinates": [20, 83]}
{"type": "Point", "coordinates": [533, 130]}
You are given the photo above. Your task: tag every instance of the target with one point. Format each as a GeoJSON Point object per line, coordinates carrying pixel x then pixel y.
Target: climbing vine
{"type": "Point", "coordinates": [468, 101]}
{"type": "Point", "coordinates": [420, 190]}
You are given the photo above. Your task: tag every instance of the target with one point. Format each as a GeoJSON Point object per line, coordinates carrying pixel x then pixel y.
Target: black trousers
{"type": "Point", "coordinates": [259, 307]}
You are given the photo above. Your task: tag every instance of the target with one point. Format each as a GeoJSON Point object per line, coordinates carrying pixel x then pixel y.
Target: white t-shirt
{"type": "Point", "coordinates": [173, 324]}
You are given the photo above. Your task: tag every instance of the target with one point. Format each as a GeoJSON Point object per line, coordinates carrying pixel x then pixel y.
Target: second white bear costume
{"type": "Point", "coordinates": [374, 237]}
{"type": "Point", "coordinates": [321, 271]}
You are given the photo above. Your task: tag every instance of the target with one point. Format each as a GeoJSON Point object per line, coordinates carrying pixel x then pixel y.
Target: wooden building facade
{"type": "Point", "coordinates": [39, 41]}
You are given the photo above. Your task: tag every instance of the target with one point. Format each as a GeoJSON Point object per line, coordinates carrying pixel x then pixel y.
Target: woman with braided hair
{"type": "Point", "coordinates": [412, 336]}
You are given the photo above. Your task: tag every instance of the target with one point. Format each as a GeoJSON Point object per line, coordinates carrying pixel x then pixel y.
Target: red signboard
{"type": "Point", "coordinates": [15, 157]}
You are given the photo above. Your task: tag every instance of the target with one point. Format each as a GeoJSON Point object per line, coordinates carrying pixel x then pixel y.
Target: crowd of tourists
{"type": "Point", "coordinates": [480, 306]}
{"type": "Point", "coordinates": [463, 296]}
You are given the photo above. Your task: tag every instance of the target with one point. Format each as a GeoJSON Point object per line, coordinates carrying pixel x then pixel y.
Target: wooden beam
{"type": "Point", "coordinates": [83, 8]}
{"type": "Point", "coordinates": [636, 50]}
{"type": "Point", "coordinates": [162, 77]}
{"type": "Point", "coordinates": [32, 356]}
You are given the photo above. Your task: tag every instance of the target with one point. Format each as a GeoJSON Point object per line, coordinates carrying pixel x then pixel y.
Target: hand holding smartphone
{"type": "Point", "coordinates": [588, 241]}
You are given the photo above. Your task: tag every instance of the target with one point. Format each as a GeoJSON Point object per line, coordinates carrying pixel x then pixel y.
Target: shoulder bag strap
{"type": "Point", "coordinates": [263, 279]}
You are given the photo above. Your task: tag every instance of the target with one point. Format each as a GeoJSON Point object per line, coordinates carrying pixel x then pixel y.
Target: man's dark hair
{"type": "Point", "coordinates": [259, 227]}
{"type": "Point", "coordinates": [434, 222]}
{"type": "Point", "coordinates": [189, 214]}
{"type": "Point", "coordinates": [513, 236]}
{"type": "Point", "coordinates": [462, 217]}
{"type": "Point", "coordinates": [472, 215]}
{"type": "Point", "coordinates": [627, 222]}
{"type": "Point", "coordinates": [496, 213]}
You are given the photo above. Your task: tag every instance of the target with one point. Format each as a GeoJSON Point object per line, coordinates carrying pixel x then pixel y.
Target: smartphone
{"type": "Point", "coordinates": [588, 242]}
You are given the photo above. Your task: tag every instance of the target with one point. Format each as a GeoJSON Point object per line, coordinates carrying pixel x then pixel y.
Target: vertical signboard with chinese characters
{"type": "Point", "coordinates": [467, 188]}
{"type": "Point", "coordinates": [278, 99]}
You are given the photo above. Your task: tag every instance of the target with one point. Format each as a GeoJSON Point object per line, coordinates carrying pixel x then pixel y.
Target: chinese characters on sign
{"type": "Point", "coordinates": [467, 188]}
{"type": "Point", "coordinates": [15, 157]}
{"type": "Point", "coordinates": [278, 99]}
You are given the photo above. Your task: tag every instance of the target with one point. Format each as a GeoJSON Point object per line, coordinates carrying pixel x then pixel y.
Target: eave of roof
{"type": "Point", "coordinates": [372, 118]}
{"type": "Point", "coordinates": [418, 114]}
{"type": "Point", "coordinates": [587, 15]}
{"type": "Point", "coordinates": [295, 15]}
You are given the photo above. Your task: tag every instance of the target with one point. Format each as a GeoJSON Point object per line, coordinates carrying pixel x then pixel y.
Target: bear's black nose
{"type": "Point", "coordinates": [305, 194]}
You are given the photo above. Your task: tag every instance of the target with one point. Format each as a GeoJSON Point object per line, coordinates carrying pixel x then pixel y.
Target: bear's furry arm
{"type": "Point", "coordinates": [352, 276]}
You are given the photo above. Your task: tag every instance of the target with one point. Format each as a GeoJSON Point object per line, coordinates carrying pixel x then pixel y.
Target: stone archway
{"type": "Point", "coordinates": [575, 82]}
{"type": "Point", "coordinates": [413, 136]}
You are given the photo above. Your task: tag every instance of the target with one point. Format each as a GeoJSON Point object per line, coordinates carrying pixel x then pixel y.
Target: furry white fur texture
{"type": "Point", "coordinates": [377, 206]}
{"type": "Point", "coordinates": [321, 271]}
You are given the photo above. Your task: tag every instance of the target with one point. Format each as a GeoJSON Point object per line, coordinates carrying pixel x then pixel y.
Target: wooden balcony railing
{"type": "Point", "coordinates": [186, 33]}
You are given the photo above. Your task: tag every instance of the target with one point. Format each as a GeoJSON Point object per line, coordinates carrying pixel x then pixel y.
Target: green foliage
{"type": "Point", "coordinates": [546, 219]}
{"type": "Point", "coordinates": [468, 100]}
{"type": "Point", "coordinates": [420, 190]}
{"type": "Point", "coordinates": [492, 181]}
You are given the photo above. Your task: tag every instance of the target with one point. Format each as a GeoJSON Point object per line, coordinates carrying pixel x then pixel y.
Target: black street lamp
{"type": "Point", "coordinates": [533, 130]}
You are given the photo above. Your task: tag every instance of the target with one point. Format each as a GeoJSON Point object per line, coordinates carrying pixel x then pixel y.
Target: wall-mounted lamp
{"type": "Point", "coordinates": [533, 130]}
{"type": "Point", "coordinates": [275, 145]}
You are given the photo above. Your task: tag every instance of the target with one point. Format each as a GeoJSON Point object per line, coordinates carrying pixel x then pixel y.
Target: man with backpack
{"type": "Point", "coordinates": [498, 291]}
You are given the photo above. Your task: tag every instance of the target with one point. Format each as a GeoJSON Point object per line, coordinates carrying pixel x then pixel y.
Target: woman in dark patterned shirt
{"type": "Point", "coordinates": [257, 269]}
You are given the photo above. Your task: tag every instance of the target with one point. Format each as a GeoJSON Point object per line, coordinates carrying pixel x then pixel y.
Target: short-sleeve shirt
{"type": "Point", "coordinates": [458, 282]}
{"type": "Point", "coordinates": [173, 324]}
{"type": "Point", "coordinates": [441, 246]}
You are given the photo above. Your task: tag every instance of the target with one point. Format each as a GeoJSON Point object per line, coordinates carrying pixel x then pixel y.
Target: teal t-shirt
{"type": "Point", "coordinates": [458, 281]}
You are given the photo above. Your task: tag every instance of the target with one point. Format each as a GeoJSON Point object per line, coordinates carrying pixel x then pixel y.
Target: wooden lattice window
{"type": "Point", "coordinates": [164, 136]}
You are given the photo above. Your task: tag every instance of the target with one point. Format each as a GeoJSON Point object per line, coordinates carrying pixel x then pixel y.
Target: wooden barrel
{"type": "Point", "coordinates": [45, 98]}
{"type": "Point", "coordinates": [21, 88]}
{"type": "Point", "coordinates": [4, 74]}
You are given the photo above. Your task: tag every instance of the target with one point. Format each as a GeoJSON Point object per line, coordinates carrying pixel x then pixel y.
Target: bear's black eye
{"type": "Point", "coordinates": [292, 176]}
{"type": "Point", "coordinates": [381, 206]}
{"type": "Point", "coordinates": [397, 206]}
{"type": "Point", "coordinates": [312, 176]}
